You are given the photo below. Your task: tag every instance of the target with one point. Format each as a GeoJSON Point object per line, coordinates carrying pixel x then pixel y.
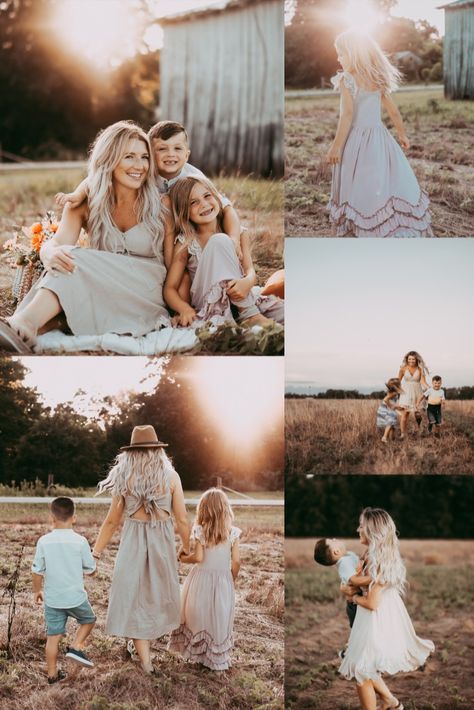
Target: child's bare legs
{"type": "Point", "coordinates": [44, 306]}
{"type": "Point", "coordinates": [52, 646]}
{"type": "Point", "coordinates": [389, 700]}
{"type": "Point", "coordinates": [143, 650]}
{"type": "Point", "coordinates": [367, 697]}
{"type": "Point", "coordinates": [387, 434]}
{"type": "Point", "coordinates": [82, 634]}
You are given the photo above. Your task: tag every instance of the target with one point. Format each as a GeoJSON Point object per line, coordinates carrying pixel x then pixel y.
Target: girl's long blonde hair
{"type": "Point", "coordinates": [145, 474]}
{"type": "Point", "coordinates": [214, 514]}
{"type": "Point", "coordinates": [420, 363]}
{"type": "Point", "coordinates": [368, 62]}
{"type": "Point", "coordinates": [180, 195]}
{"type": "Point", "coordinates": [384, 563]}
{"type": "Point", "coordinates": [106, 153]}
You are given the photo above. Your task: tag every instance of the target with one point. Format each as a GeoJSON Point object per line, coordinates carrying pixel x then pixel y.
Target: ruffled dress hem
{"type": "Point", "coordinates": [201, 648]}
{"type": "Point", "coordinates": [370, 672]}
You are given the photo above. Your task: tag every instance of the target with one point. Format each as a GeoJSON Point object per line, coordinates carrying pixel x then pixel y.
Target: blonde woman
{"type": "Point", "coordinates": [207, 605]}
{"type": "Point", "coordinates": [413, 372]}
{"type": "Point", "coordinates": [218, 280]}
{"type": "Point", "coordinates": [382, 638]}
{"type": "Point", "coordinates": [116, 285]}
{"type": "Point", "coordinates": [374, 190]}
{"type": "Point", "coordinates": [144, 596]}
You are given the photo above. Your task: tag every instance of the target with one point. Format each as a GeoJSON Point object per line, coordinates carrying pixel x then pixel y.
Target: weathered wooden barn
{"type": "Point", "coordinates": [458, 50]}
{"type": "Point", "coordinates": [222, 77]}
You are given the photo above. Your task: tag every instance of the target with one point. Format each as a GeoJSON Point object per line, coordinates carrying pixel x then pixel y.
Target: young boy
{"type": "Point", "coordinates": [330, 551]}
{"type": "Point", "coordinates": [169, 142]}
{"type": "Point", "coordinates": [436, 403]}
{"type": "Point", "coordinates": [62, 557]}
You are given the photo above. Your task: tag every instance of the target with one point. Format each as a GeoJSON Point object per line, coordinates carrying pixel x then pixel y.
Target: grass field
{"type": "Point", "coordinates": [439, 601]}
{"type": "Point", "coordinates": [25, 197]}
{"type": "Point", "coordinates": [442, 143]}
{"type": "Point", "coordinates": [339, 436]}
{"type": "Point", "coordinates": [255, 680]}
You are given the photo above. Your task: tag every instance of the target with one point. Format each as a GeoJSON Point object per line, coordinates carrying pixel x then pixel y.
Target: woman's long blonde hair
{"type": "Point", "coordinates": [106, 153]}
{"type": "Point", "coordinates": [143, 473]}
{"type": "Point", "coordinates": [420, 363]}
{"type": "Point", "coordinates": [368, 62]}
{"type": "Point", "coordinates": [384, 563]}
{"type": "Point", "coordinates": [180, 195]}
{"type": "Point", "coordinates": [214, 514]}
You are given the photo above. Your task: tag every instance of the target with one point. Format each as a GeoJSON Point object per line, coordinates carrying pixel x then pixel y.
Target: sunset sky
{"type": "Point", "coordinates": [354, 307]}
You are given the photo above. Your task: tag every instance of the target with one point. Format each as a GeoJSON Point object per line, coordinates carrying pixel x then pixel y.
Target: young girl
{"type": "Point", "coordinates": [413, 371]}
{"type": "Point", "coordinates": [207, 604]}
{"type": "Point", "coordinates": [218, 279]}
{"type": "Point", "coordinates": [374, 191]}
{"type": "Point", "coordinates": [382, 639]}
{"type": "Point", "coordinates": [387, 413]}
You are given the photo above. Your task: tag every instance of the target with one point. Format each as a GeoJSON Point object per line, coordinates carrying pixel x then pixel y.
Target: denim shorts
{"type": "Point", "coordinates": [56, 618]}
{"type": "Point", "coordinates": [434, 413]}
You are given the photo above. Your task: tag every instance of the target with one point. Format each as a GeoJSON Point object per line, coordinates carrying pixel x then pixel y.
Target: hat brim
{"type": "Point", "coordinates": [154, 445]}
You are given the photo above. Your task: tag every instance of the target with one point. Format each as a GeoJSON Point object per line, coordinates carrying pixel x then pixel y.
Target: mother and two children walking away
{"type": "Point", "coordinates": [144, 600]}
{"type": "Point", "coordinates": [382, 638]}
{"type": "Point", "coordinates": [162, 240]}
{"type": "Point", "coordinates": [409, 394]}
{"type": "Point", "coordinates": [374, 191]}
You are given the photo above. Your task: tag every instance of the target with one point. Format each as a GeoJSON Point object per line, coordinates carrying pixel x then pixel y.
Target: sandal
{"type": "Point", "coordinates": [398, 706]}
{"type": "Point", "coordinates": [11, 341]}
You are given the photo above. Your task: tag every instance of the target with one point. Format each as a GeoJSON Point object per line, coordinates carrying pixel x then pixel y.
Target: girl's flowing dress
{"type": "Point", "coordinates": [374, 190]}
{"type": "Point", "coordinates": [207, 606]}
{"type": "Point", "coordinates": [412, 390]}
{"type": "Point", "coordinates": [144, 596]}
{"type": "Point", "coordinates": [210, 269]}
{"type": "Point", "coordinates": [383, 641]}
{"type": "Point", "coordinates": [118, 291]}
{"type": "Point", "coordinates": [386, 416]}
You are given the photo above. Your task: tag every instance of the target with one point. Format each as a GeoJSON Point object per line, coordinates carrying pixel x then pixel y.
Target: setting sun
{"type": "Point", "coordinates": [361, 15]}
{"type": "Point", "coordinates": [243, 399]}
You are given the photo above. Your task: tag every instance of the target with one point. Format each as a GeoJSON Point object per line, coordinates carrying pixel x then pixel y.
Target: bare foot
{"type": "Point", "coordinates": [23, 328]}
{"type": "Point", "coordinates": [256, 320]}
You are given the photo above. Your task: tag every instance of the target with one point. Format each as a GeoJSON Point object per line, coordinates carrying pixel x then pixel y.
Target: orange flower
{"type": "Point", "coordinates": [36, 241]}
{"type": "Point", "coordinates": [36, 228]}
{"type": "Point", "coordinates": [53, 227]}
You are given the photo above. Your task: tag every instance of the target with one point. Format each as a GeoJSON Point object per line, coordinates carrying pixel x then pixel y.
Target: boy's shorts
{"type": "Point", "coordinates": [56, 618]}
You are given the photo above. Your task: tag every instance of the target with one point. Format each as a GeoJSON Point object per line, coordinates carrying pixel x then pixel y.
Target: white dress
{"type": "Point", "coordinates": [207, 606]}
{"type": "Point", "coordinates": [383, 641]}
{"type": "Point", "coordinates": [412, 390]}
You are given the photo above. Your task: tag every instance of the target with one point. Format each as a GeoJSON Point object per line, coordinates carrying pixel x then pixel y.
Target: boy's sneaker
{"type": "Point", "coordinates": [61, 675]}
{"type": "Point", "coordinates": [341, 654]}
{"type": "Point", "coordinates": [79, 656]}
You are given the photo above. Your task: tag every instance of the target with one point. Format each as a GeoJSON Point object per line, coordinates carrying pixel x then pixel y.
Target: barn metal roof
{"type": "Point", "coordinates": [207, 10]}
{"type": "Point", "coordinates": [456, 4]}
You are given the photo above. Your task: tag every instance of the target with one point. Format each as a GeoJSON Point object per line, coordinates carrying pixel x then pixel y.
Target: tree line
{"type": "Point", "coordinates": [465, 392]}
{"type": "Point", "coordinates": [37, 441]}
{"type": "Point", "coordinates": [424, 507]}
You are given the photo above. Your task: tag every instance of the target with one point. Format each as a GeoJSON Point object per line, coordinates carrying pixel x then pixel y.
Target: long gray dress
{"type": "Point", "coordinates": [374, 190]}
{"type": "Point", "coordinates": [210, 270]}
{"type": "Point", "coordinates": [119, 291]}
{"type": "Point", "coordinates": [144, 596]}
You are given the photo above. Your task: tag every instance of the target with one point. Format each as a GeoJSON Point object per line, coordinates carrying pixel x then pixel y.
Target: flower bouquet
{"type": "Point", "coordinates": [25, 258]}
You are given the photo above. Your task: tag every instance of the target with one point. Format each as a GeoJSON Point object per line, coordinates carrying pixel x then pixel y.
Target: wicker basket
{"type": "Point", "coordinates": [25, 277]}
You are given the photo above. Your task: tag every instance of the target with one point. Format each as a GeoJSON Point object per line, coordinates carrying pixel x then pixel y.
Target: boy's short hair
{"type": "Point", "coordinates": [62, 508]}
{"type": "Point", "coordinates": [436, 378]}
{"type": "Point", "coordinates": [323, 554]}
{"type": "Point", "coordinates": [166, 130]}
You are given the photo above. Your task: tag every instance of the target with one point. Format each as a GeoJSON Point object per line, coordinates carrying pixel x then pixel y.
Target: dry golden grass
{"type": "Point", "coordinates": [339, 436]}
{"type": "Point", "coordinates": [255, 680]}
{"type": "Point", "coordinates": [441, 138]}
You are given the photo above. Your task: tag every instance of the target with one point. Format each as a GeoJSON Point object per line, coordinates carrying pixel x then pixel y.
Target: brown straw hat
{"type": "Point", "coordinates": [144, 437]}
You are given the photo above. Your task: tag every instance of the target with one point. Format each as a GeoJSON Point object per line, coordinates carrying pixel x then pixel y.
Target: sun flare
{"type": "Point", "coordinates": [243, 396]}
{"type": "Point", "coordinates": [105, 33]}
{"type": "Point", "coordinates": [361, 15]}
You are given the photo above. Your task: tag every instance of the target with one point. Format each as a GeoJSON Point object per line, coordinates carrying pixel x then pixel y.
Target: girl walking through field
{"type": "Point", "coordinates": [374, 190]}
{"type": "Point", "coordinates": [219, 280]}
{"type": "Point", "coordinates": [388, 411]}
{"type": "Point", "coordinates": [207, 603]}
{"type": "Point", "coordinates": [382, 639]}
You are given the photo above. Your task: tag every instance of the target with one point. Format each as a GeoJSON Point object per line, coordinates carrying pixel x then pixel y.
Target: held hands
{"type": "Point", "coordinates": [403, 140]}
{"type": "Point", "coordinates": [38, 597]}
{"type": "Point", "coordinates": [238, 289]}
{"type": "Point", "coordinates": [185, 318]}
{"type": "Point", "coordinates": [57, 258]}
{"type": "Point", "coordinates": [333, 156]}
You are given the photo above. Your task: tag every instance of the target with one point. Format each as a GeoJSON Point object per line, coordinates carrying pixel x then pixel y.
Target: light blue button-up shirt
{"type": "Point", "coordinates": [63, 557]}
